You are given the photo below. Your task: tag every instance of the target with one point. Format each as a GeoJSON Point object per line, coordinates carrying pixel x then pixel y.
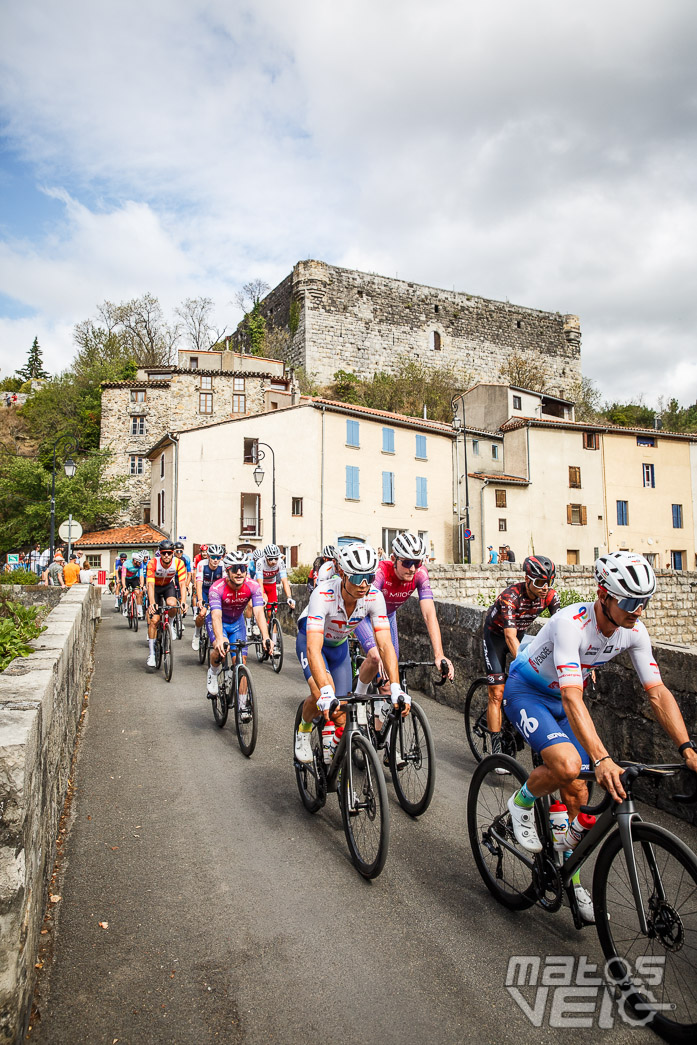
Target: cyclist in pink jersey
{"type": "Point", "coordinates": [225, 621]}
{"type": "Point", "coordinates": [397, 578]}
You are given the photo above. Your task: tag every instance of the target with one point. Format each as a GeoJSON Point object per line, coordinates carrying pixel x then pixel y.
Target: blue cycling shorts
{"type": "Point", "coordinates": [540, 719]}
{"type": "Point", "coordinates": [234, 632]}
{"type": "Point", "coordinates": [336, 660]}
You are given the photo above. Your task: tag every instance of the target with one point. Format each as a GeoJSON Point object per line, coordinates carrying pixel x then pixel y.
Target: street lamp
{"type": "Point", "coordinates": [69, 444]}
{"type": "Point", "coordinates": [258, 474]}
{"type": "Point", "coordinates": [461, 425]}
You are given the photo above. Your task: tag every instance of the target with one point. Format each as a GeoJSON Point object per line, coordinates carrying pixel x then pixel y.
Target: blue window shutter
{"type": "Point", "coordinates": [388, 440]}
{"type": "Point", "coordinates": [352, 436]}
{"type": "Point", "coordinates": [421, 492]}
{"type": "Point", "coordinates": [421, 446]}
{"type": "Point", "coordinates": [352, 482]}
{"type": "Point", "coordinates": [388, 487]}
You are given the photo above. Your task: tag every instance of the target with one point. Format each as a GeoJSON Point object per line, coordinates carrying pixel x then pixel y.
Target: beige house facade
{"type": "Point", "coordinates": [341, 473]}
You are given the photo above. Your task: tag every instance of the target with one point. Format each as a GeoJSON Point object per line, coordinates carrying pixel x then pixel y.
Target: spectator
{"type": "Point", "coordinates": [493, 556]}
{"type": "Point", "coordinates": [71, 572]}
{"type": "Point", "coordinates": [53, 574]}
{"type": "Point", "coordinates": [35, 559]}
{"type": "Point", "coordinates": [8, 399]}
{"type": "Point", "coordinates": [44, 560]}
{"type": "Point", "coordinates": [509, 554]}
{"type": "Point", "coordinates": [14, 397]}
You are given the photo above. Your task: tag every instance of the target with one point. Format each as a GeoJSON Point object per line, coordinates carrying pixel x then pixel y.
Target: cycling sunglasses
{"type": "Point", "coordinates": [631, 605]}
{"type": "Point", "coordinates": [166, 553]}
{"type": "Point", "coordinates": [539, 584]}
{"type": "Point", "coordinates": [214, 558]}
{"type": "Point", "coordinates": [410, 562]}
{"type": "Point", "coordinates": [238, 567]}
{"type": "Point", "coordinates": [358, 578]}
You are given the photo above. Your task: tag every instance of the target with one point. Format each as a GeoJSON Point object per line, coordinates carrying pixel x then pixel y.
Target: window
{"type": "Point", "coordinates": [650, 558]}
{"type": "Point", "coordinates": [649, 475]}
{"type": "Point", "coordinates": [495, 451]}
{"type": "Point", "coordinates": [162, 466]}
{"type": "Point", "coordinates": [677, 516]}
{"type": "Point", "coordinates": [205, 402]}
{"type": "Point", "coordinates": [250, 513]}
{"type": "Point", "coordinates": [475, 447]}
{"type": "Point", "coordinates": [296, 506]}
{"type": "Point", "coordinates": [645, 440]}
{"type": "Point", "coordinates": [207, 383]}
{"type": "Point", "coordinates": [251, 451]}
{"type": "Point", "coordinates": [574, 477]}
{"type": "Point", "coordinates": [388, 487]}
{"type": "Point", "coordinates": [388, 440]}
{"type": "Point", "coordinates": [435, 340]}
{"type": "Point", "coordinates": [676, 559]}
{"type": "Point", "coordinates": [421, 492]}
{"type": "Point", "coordinates": [138, 424]}
{"type": "Point", "coordinates": [238, 384]}
{"type": "Point", "coordinates": [193, 362]}
{"type": "Point", "coordinates": [161, 508]}
{"type": "Point", "coordinates": [146, 514]}
{"type": "Point", "coordinates": [352, 433]}
{"type": "Point", "coordinates": [590, 441]}
{"type": "Point", "coordinates": [500, 498]}
{"type": "Point", "coordinates": [239, 404]}
{"type": "Point", "coordinates": [93, 562]}
{"type": "Point", "coordinates": [622, 513]}
{"type": "Point", "coordinates": [137, 395]}
{"type": "Point", "coordinates": [421, 448]}
{"type": "Point", "coordinates": [136, 466]}
{"type": "Point", "coordinates": [517, 402]}
{"type": "Point", "coordinates": [352, 483]}
{"type": "Point", "coordinates": [576, 515]}
{"type": "Point", "coordinates": [502, 524]}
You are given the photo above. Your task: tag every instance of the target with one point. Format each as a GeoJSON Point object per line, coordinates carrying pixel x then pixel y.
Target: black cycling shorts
{"type": "Point", "coordinates": [495, 653]}
{"type": "Point", "coordinates": [132, 583]}
{"type": "Point", "coordinates": [167, 591]}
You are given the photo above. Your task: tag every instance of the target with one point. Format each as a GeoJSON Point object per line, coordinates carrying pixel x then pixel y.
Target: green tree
{"type": "Point", "coordinates": [252, 328]}
{"type": "Point", "coordinates": [34, 367]}
{"type": "Point", "coordinates": [586, 398]}
{"type": "Point", "coordinates": [524, 371]}
{"type": "Point", "coordinates": [412, 389]}
{"type": "Point", "coordinates": [630, 415]}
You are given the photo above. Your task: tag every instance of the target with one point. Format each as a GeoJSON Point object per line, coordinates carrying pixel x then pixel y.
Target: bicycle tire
{"type": "Point", "coordinates": [415, 780]}
{"type": "Point", "coordinates": [167, 654]}
{"type": "Point", "coordinates": [129, 615]}
{"type": "Point", "coordinates": [220, 701]}
{"type": "Point", "coordinates": [158, 649]}
{"type": "Point", "coordinates": [259, 650]}
{"type": "Point", "coordinates": [667, 866]}
{"type": "Point", "coordinates": [135, 618]}
{"type": "Point", "coordinates": [277, 635]}
{"type": "Point", "coordinates": [202, 645]}
{"type": "Point", "coordinates": [179, 624]}
{"type": "Point", "coordinates": [476, 703]}
{"type": "Point", "coordinates": [486, 802]}
{"type": "Point", "coordinates": [367, 826]}
{"type": "Point", "coordinates": [246, 727]}
{"type": "Point", "coordinates": [310, 776]}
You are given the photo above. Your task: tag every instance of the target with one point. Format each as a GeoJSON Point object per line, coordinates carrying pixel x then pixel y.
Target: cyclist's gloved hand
{"type": "Point", "coordinates": [291, 603]}
{"type": "Point", "coordinates": [397, 693]}
{"type": "Point", "coordinates": [326, 698]}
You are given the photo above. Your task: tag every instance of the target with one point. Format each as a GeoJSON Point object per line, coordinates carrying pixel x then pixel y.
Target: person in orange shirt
{"type": "Point", "coordinates": [71, 572]}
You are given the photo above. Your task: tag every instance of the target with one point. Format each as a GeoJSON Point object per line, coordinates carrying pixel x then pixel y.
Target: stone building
{"type": "Point", "coordinates": [205, 388]}
{"type": "Point", "coordinates": [340, 318]}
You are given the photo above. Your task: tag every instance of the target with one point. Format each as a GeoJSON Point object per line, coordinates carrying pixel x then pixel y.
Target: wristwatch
{"type": "Point", "coordinates": [684, 747]}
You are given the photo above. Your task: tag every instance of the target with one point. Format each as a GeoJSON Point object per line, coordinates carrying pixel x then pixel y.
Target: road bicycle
{"type": "Point", "coordinates": [479, 736]}
{"type": "Point", "coordinates": [275, 634]}
{"type": "Point", "coordinates": [203, 643]}
{"type": "Point", "coordinates": [178, 620]}
{"type": "Point", "coordinates": [235, 690]}
{"type": "Point", "coordinates": [163, 643]}
{"type": "Point", "coordinates": [132, 611]}
{"type": "Point", "coordinates": [644, 887]}
{"type": "Point", "coordinates": [356, 775]}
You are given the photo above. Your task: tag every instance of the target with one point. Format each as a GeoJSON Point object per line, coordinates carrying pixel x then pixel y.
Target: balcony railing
{"type": "Point", "coordinates": [251, 526]}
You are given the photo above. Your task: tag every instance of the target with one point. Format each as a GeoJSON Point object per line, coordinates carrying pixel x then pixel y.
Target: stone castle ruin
{"type": "Point", "coordinates": [340, 318]}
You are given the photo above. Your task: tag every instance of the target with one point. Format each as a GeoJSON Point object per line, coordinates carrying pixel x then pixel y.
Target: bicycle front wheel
{"type": "Point", "coordinates": [476, 703]}
{"type": "Point", "coordinates": [413, 761]}
{"type": "Point", "coordinates": [135, 618]}
{"type": "Point", "coordinates": [130, 616]}
{"type": "Point", "coordinates": [656, 972]}
{"type": "Point", "coordinates": [179, 625]}
{"type": "Point", "coordinates": [246, 718]}
{"type": "Point", "coordinates": [220, 700]}
{"type": "Point", "coordinates": [364, 809]}
{"type": "Point", "coordinates": [505, 875]}
{"type": "Point", "coordinates": [310, 775]}
{"type": "Point", "coordinates": [158, 649]}
{"type": "Point", "coordinates": [167, 657]}
{"type": "Point", "coordinates": [202, 645]}
{"type": "Point", "coordinates": [277, 656]}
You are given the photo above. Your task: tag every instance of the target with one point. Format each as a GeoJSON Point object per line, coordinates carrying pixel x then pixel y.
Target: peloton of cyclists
{"type": "Point", "coordinates": [543, 695]}
{"type": "Point", "coordinates": [166, 582]}
{"type": "Point", "coordinates": [208, 571]}
{"type": "Point", "coordinates": [227, 599]}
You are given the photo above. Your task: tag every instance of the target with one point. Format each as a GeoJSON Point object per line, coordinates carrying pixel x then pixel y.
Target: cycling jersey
{"type": "Point", "coordinates": [207, 576]}
{"type": "Point", "coordinates": [232, 601]}
{"type": "Point", "coordinates": [186, 560]}
{"type": "Point", "coordinates": [262, 571]}
{"type": "Point", "coordinates": [326, 612]}
{"type": "Point", "coordinates": [170, 574]}
{"type": "Point", "coordinates": [515, 609]}
{"type": "Point", "coordinates": [396, 593]}
{"type": "Point", "coordinates": [326, 571]}
{"type": "Point", "coordinates": [129, 570]}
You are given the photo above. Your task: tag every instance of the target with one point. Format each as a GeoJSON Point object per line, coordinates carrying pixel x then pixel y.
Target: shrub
{"type": "Point", "coordinates": [19, 577]}
{"type": "Point", "coordinates": [18, 624]}
{"type": "Point", "coordinates": [569, 597]}
{"type": "Point", "coordinates": [299, 574]}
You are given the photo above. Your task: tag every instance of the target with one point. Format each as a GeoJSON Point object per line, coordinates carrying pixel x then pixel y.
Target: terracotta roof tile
{"type": "Point", "coordinates": [499, 478]}
{"type": "Point", "coordinates": [420, 422]}
{"type": "Point", "coordinates": [593, 426]}
{"type": "Point", "coordinates": [142, 535]}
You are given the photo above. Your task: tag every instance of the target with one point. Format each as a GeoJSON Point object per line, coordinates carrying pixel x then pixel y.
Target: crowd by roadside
{"type": "Point", "coordinates": [62, 570]}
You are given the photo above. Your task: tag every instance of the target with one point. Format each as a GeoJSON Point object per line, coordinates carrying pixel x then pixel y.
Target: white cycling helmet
{"type": "Point", "coordinates": [357, 558]}
{"type": "Point", "coordinates": [234, 558]}
{"type": "Point", "coordinates": [272, 551]}
{"type": "Point", "coordinates": [137, 557]}
{"type": "Point", "coordinates": [216, 550]}
{"type": "Point", "coordinates": [145, 556]}
{"type": "Point", "coordinates": [625, 575]}
{"type": "Point", "coordinates": [329, 552]}
{"type": "Point", "coordinates": [408, 546]}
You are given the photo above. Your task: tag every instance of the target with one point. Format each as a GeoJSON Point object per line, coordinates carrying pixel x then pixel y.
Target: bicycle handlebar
{"type": "Point", "coordinates": [408, 664]}
{"type": "Point", "coordinates": [632, 770]}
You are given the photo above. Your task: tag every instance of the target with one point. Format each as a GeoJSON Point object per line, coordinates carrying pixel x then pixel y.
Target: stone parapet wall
{"type": "Point", "coordinates": [41, 699]}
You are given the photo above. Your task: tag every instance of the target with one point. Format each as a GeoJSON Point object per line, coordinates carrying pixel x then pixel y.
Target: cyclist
{"type": "Point", "coordinates": [543, 696]}
{"type": "Point", "coordinates": [335, 610]}
{"type": "Point", "coordinates": [202, 553]}
{"type": "Point", "coordinates": [179, 552]}
{"type": "Point", "coordinates": [118, 566]}
{"type": "Point", "coordinates": [397, 577]}
{"type": "Point", "coordinates": [166, 582]}
{"type": "Point", "coordinates": [132, 579]}
{"type": "Point", "coordinates": [323, 567]}
{"type": "Point", "coordinates": [269, 568]}
{"type": "Point", "coordinates": [208, 571]}
{"type": "Point", "coordinates": [227, 599]}
{"type": "Point", "coordinates": [508, 619]}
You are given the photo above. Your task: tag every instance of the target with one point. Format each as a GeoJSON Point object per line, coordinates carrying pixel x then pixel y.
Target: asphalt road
{"type": "Point", "coordinates": [235, 916]}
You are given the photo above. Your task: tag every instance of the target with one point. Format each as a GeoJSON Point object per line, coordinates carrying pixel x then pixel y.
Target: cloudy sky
{"type": "Point", "coordinates": [533, 151]}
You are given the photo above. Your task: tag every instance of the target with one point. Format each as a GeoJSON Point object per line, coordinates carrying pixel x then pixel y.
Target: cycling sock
{"type": "Point", "coordinates": [197, 631]}
{"type": "Point", "coordinates": [362, 687]}
{"type": "Point", "coordinates": [524, 798]}
{"type": "Point", "coordinates": [304, 727]}
{"type": "Point", "coordinates": [151, 643]}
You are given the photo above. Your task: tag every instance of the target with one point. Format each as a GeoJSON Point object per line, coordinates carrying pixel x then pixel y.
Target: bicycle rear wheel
{"type": "Point", "coordinates": [246, 717]}
{"type": "Point", "coordinates": [202, 645]}
{"type": "Point", "coordinates": [364, 809]}
{"type": "Point", "coordinates": [158, 648]}
{"type": "Point", "coordinates": [310, 776]}
{"type": "Point", "coordinates": [414, 778]}
{"type": "Point", "coordinates": [476, 703]}
{"type": "Point", "coordinates": [505, 875]}
{"type": "Point", "coordinates": [656, 972]}
{"type": "Point", "coordinates": [277, 635]}
{"type": "Point", "coordinates": [167, 656]}
{"type": "Point", "coordinates": [220, 700]}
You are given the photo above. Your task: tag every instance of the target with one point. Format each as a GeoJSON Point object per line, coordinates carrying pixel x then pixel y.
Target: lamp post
{"type": "Point", "coordinates": [69, 445]}
{"type": "Point", "coordinates": [259, 478]}
{"type": "Point", "coordinates": [457, 426]}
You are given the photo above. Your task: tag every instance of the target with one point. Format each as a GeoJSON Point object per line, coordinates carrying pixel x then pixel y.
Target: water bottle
{"type": "Point", "coordinates": [559, 822]}
{"type": "Point", "coordinates": [328, 742]}
{"type": "Point", "coordinates": [336, 737]}
{"type": "Point", "coordinates": [578, 828]}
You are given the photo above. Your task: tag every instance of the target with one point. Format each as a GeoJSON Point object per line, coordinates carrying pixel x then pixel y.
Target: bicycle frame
{"type": "Point", "coordinates": [354, 721]}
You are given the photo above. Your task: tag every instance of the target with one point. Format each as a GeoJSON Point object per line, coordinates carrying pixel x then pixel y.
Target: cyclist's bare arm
{"type": "Point", "coordinates": [428, 611]}
{"type": "Point", "coordinates": [669, 717]}
{"type": "Point", "coordinates": [511, 637]}
{"type": "Point", "coordinates": [260, 618]}
{"type": "Point", "coordinates": [607, 772]}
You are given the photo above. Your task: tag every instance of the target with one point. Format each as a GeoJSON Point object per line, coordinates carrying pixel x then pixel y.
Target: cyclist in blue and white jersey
{"type": "Point", "coordinates": [133, 579]}
{"type": "Point", "coordinates": [208, 571]}
{"type": "Point", "coordinates": [335, 610]}
{"type": "Point", "coordinates": [543, 696]}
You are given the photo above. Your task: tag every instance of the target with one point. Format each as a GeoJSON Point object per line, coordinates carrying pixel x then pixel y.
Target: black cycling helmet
{"type": "Point", "coordinates": [179, 547]}
{"type": "Point", "coordinates": [165, 546]}
{"type": "Point", "coordinates": [539, 568]}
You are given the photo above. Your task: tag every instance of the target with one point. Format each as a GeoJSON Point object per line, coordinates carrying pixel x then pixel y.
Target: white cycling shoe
{"type": "Point", "coordinates": [212, 682]}
{"type": "Point", "coordinates": [303, 747]}
{"type": "Point", "coordinates": [151, 662]}
{"type": "Point", "coordinates": [523, 821]}
{"type": "Point", "coordinates": [585, 904]}
{"type": "Point", "coordinates": [195, 642]}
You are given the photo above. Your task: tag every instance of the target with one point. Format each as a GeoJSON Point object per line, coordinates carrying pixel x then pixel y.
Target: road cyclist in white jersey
{"type": "Point", "coordinates": [335, 609]}
{"type": "Point", "coordinates": [543, 696]}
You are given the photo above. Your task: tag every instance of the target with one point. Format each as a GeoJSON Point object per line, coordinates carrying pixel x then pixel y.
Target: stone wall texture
{"type": "Point", "coordinates": [363, 322]}
{"type": "Point", "coordinates": [41, 698]}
